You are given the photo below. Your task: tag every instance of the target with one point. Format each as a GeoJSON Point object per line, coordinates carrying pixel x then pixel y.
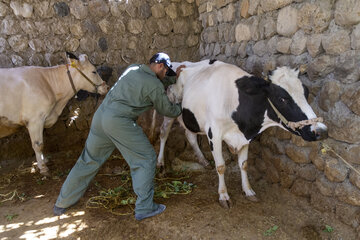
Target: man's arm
{"type": "Point", "coordinates": [163, 105]}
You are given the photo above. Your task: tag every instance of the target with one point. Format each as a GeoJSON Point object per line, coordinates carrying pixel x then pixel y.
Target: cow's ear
{"type": "Point", "coordinates": [69, 55]}
{"type": "Point", "coordinates": [252, 85]}
{"type": "Point", "coordinates": [83, 58]}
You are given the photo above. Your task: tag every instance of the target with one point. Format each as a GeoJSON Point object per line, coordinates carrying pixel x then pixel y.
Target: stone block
{"type": "Point", "coordinates": [78, 9]}
{"type": "Point", "coordinates": [334, 170]}
{"type": "Point", "coordinates": [3, 9]}
{"type": "Point", "coordinates": [72, 45]}
{"type": "Point", "coordinates": [270, 5]}
{"type": "Point", "coordinates": [347, 68]}
{"type": "Point", "coordinates": [158, 10]}
{"type": "Point", "coordinates": [37, 45]}
{"type": "Point", "coordinates": [321, 202]}
{"type": "Point", "coordinates": [98, 9]}
{"type": "Point", "coordinates": [43, 9]}
{"type": "Point", "coordinates": [301, 188]}
{"type": "Point", "coordinates": [192, 40]}
{"type": "Point", "coordinates": [347, 12]}
{"type": "Point", "coordinates": [313, 18]}
{"type": "Point", "coordinates": [5, 61]}
{"type": "Point", "coordinates": [260, 48]}
{"type": "Point", "coordinates": [9, 26]}
{"type": "Point", "coordinates": [317, 158]}
{"type": "Point", "coordinates": [355, 177]}
{"type": "Point", "coordinates": [307, 172]}
{"type": "Point", "coordinates": [242, 32]}
{"type": "Point", "coordinates": [348, 214]}
{"type": "Point", "coordinates": [267, 27]}
{"type": "Point", "coordinates": [283, 45]}
{"type": "Point", "coordinates": [323, 185]}
{"type": "Point", "coordinates": [349, 94]}
{"type": "Point", "coordinates": [171, 11]}
{"type": "Point", "coordinates": [321, 66]}
{"type": "Point", "coordinates": [3, 44]}
{"type": "Point", "coordinates": [61, 9]}
{"type": "Point", "coordinates": [337, 42]}
{"type": "Point", "coordinates": [297, 154]}
{"type": "Point", "coordinates": [343, 124]}
{"type": "Point", "coordinates": [186, 9]}
{"type": "Point", "coordinates": [348, 193]}
{"type": "Point", "coordinates": [329, 94]}
{"type": "Point", "coordinates": [165, 27]}
{"type": "Point", "coordinates": [298, 43]}
{"type": "Point", "coordinates": [18, 43]}
{"type": "Point", "coordinates": [17, 60]}
{"type": "Point", "coordinates": [135, 26]}
{"type": "Point", "coordinates": [313, 45]}
{"type": "Point", "coordinates": [22, 9]}
{"type": "Point", "coordinates": [287, 21]}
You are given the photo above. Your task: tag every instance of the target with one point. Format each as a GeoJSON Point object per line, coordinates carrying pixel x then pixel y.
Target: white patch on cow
{"type": "Point", "coordinates": [268, 122]}
{"type": "Point", "coordinates": [288, 79]}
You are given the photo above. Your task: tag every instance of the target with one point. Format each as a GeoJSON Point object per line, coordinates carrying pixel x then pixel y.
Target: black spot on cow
{"type": "Point", "coordinates": [210, 133]}
{"type": "Point", "coordinates": [71, 56]}
{"type": "Point", "coordinates": [190, 120]}
{"type": "Point", "coordinates": [253, 102]}
{"type": "Point", "coordinates": [212, 61]}
{"type": "Point", "coordinates": [211, 146]}
{"type": "Point", "coordinates": [249, 115]}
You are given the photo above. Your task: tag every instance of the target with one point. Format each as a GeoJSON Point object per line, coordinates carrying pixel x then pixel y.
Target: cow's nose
{"type": "Point", "coordinates": [321, 133]}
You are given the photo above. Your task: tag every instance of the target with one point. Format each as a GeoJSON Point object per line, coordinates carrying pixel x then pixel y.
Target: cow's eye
{"type": "Point", "coordinates": [283, 100]}
{"type": "Point", "coordinates": [94, 72]}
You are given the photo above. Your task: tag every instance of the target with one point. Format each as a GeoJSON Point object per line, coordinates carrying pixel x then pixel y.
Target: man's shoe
{"type": "Point", "coordinates": [58, 210]}
{"type": "Point", "coordinates": [160, 209]}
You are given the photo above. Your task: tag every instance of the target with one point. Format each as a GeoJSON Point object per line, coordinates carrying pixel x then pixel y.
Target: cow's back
{"type": "Point", "coordinates": [23, 91]}
{"type": "Point", "coordinates": [210, 91]}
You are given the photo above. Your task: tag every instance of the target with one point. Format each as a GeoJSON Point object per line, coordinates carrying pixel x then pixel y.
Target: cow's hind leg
{"type": "Point", "coordinates": [216, 149]}
{"type": "Point", "coordinates": [36, 129]}
{"type": "Point", "coordinates": [192, 138]}
{"type": "Point", "coordinates": [242, 159]}
{"type": "Point", "coordinates": [164, 133]}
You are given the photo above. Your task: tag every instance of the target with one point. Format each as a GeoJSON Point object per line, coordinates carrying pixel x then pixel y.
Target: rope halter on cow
{"type": "Point", "coordinates": [294, 125]}
{"type": "Point", "coordinates": [73, 64]}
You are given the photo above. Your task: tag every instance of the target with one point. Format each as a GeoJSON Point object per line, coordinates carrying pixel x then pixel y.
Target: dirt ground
{"type": "Point", "coordinates": [197, 215]}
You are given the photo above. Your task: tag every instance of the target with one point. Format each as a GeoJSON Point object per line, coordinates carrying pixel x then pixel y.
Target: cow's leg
{"type": "Point", "coordinates": [242, 159]}
{"type": "Point", "coordinates": [152, 128]}
{"type": "Point", "coordinates": [36, 129]}
{"type": "Point", "coordinates": [164, 133]}
{"type": "Point", "coordinates": [216, 149]}
{"type": "Point", "coordinates": [192, 138]}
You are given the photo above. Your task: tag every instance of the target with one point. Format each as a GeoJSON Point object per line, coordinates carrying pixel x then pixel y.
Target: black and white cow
{"type": "Point", "coordinates": [226, 103]}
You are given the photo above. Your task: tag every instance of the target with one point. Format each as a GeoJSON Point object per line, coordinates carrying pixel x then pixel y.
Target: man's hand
{"type": "Point", "coordinates": [179, 69]}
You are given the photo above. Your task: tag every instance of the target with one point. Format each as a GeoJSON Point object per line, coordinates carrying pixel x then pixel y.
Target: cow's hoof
{"type": "Point", "coordinates": [226, 203]}
{"type": "Point", "coordinates": [161, 172]}
{"type": "Point", "coordinates": [252, 198]}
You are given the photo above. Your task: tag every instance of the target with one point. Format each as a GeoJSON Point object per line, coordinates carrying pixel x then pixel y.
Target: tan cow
{"type": "Point", "coordinates": [34, 97]}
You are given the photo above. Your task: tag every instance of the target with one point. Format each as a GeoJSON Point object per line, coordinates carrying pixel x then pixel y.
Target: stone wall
{"type": "Point", "coordinates": [113, 33]}
{"type": "Point", "coordinates": [323, 38]}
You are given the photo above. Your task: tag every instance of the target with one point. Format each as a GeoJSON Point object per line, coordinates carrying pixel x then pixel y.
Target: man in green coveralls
{"type": "Point", "coordinates": [114, 125]}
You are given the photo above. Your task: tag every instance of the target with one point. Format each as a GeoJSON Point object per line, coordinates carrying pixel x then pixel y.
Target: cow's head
{"type": "Point", "coordinates": [288, 96]}
{"type": "Point", "coordinates": [86, 76]}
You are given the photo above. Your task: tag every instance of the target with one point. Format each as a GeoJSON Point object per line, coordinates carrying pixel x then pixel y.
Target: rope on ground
{"type": "Point", "coordinates": [328, 148]}
{"type": "Point", "coordinates": [115, 199]}
{"type": "Point", "coordinates": [10, 196]}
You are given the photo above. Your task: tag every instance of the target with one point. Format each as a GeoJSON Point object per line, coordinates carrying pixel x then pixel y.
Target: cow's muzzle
{"type": "Point", "coordinates": [320, 131]}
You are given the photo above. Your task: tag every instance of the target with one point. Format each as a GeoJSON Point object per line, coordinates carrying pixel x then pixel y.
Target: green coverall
{"type": "Point", "coordinates": [114, 125]}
